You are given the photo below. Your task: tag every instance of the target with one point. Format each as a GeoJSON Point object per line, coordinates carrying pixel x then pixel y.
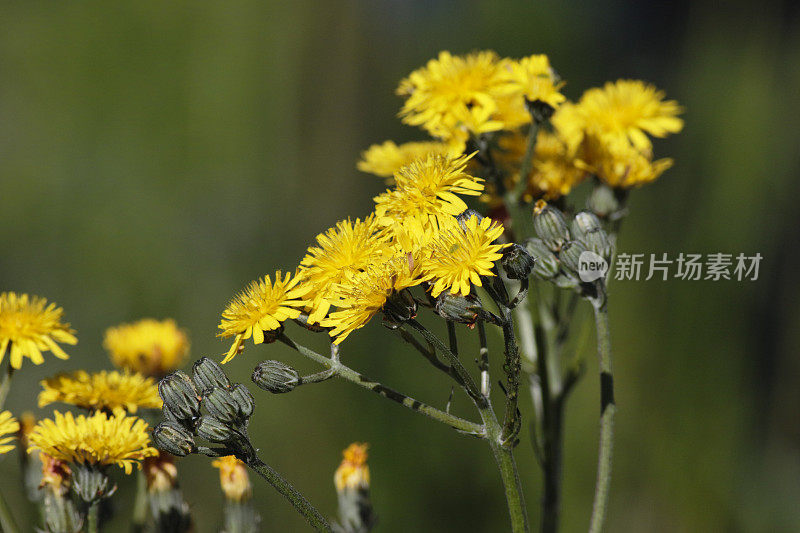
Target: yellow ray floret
{"type": "Point", "coordinates": [98, 439]}
{"type": "Point", "coordinates": [535, 79]}
{"type": "Point", "coordinates": [8, 429]}
{"type": "Point", "coordinates": [101, 390]}
{"type": "Point", "coordinates": [621, 165]}
{"type": "Point", "coordinates": [263, 306]}
{"type": "Point", "coordinates": [384, 159]}
{"type": "Point", "coordinates": [233, 478]}
{"type": "Point", "coordinates": [630, 109]}
{"type": "Point", "coordinates": [30, 326]}
{"type": "Point", "coordinates": [346, 248]}
{"type": "Point", "coordinates": [459, 256]}
{"type": "Point", "coordinates": [428, 187]}
{"type": "Point", "coordinates": [353, 472]}
{"type": "Point", "coordinates": [151, 347]}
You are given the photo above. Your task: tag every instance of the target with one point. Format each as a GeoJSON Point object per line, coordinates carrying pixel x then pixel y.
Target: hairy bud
{"type": "Point", "coordinates": [173, 438]}
{"type": "Point", "coordinates": [275, 377]}
{"type": "Point", "coordinates": [180, 395]}
{"type": "Point", "coordinates": [207, 373]}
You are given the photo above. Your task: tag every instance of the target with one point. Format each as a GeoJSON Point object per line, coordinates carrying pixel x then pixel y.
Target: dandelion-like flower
{"type": "Point", "coordinates": [621, 165]}
{"type": "Point", "coordinates": [150, 347]}
{"type": "Point", "coordinates": [428, 187]}
{"type": "Point", "coordinates": [384, 159]}
{"type": "Point", "coordinates": [453, 96]}
{"type": "Point", "coordinates": [346, 248]}
{"type": "Point", "coordinates": [101, 390]}
{"type": "Point", "coordinates": [630, 109]}
{"type": "Point", "coordinates": [353, 472]}
{"type": "Point", "coordinates": [263, 306]}
{"type": "Point", "coordinates": [233, 478]}
{"type": "Point", "coordinates": [29, 326]}
{"type": "Point", "coordinates": [535, 79]}
{"type": "Point", "coordinates": [96, 440]}
{"type": "Point", "coordinates": [8, 429]}
{"type": "Point", "coordinates": [460, 256]}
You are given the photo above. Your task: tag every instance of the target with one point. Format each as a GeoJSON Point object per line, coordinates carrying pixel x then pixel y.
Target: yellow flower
{"type": "Point", "coordinates": [98, 439]}
{"type": "Point", "coordinates": [364, 294]}
{"type": "Point", "coordinates": [8, 429]}
{"type": "Point", "coordinates": [455, 95]}
{"type": "Point", "coordinates": [533, 77]}
{"type": "Point", "coordinates": [621, 165]}
{"type": "Point", "coordinates": [353, 472]}
{"type": "Point", "coordinates": [344, 249]}
{"type": "Point", "coordinates": [56, 475]}
{"type": "Point", "coordinates": [628, 109]}
{"type": "Point", "coordinates": [428, 187]}
{"type": "Point", "coordinates": [233, 478]}
{"type": "Point", "coordinates": [30, 326]}
{"type": "Point", "coordinates": [569, 125]}
{"type": "Point", "coordinates": [460, 256]}
{"type": "Point", "coordinates": [160, 473]}
{"type": "Point", "coordinates": [263, 306]}
{"type": "Point", "coordinates": [151, 347]}
{"type": "Point", "coordinates": [101, 390]}
{"type": "Point", "coordinates": [385, 159]}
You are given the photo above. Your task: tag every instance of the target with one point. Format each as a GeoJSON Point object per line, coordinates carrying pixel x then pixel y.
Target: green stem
{"type": "Point", "coordinates": [139, 517]}
{"type": "Point", "coordinates": [607, 410]}
{"type": "Point", "coordinates": [504, 458]}
{"type": "Point", "coordinates": [527, 160]}
{"type": "Point", "coordinates": [7, 523]}
{"type": "Point", "coordinates": [92, 517]}
{"type": "Point", "coordinates": [290, 493]}
{"type": "Point", "coordinates": [513, 367]}
{"type": "Point", "coordinates": [5, 386]}
{"type": "Point", "coordinates": [352, 376]}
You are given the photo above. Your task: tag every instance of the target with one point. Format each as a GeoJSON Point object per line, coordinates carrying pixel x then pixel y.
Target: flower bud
{"type": "Point", "coordinates": [275, 377]}
{"type": "Point", "coordinates": [457, 308]}
{"type": "Point", "coordinates": [583, 223]}
{"type": "Point", "coordinates": [466, 215]}
{"type": "Point", "coordinates": [207, 373]}
{"type": "Point", "coordinates": [180, 395]}
{"type": "Point", "coordinates": [570, 255]}
{"type": "Point", "coordinates": [400, 307]}
{"type": "Point", "coordinates": [545, 262]}
{"type": "Point", "coordinates": [602, 201]}
{"type": "Point", "coordinates": [221, 405]}
{"type": "Point", "coordinates": [241, 395]}
{"type": "Point", "coordinates": [173, 438]}
{"type": "Point", "coordinates": [213, 430]}
{"type": "Point", "coordinates": [550, 225]}
{"type": "Point", "coordinates": [517, 262]}
{"type": "Point", "coordinates": [91, 484]}
{"type": "Point", "coordinates": [597, 241]}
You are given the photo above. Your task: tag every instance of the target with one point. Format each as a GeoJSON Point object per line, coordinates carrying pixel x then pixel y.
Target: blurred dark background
{"type": "Point", "coordinates": [155, 157]}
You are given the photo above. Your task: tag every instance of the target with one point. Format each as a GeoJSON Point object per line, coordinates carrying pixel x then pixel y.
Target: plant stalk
{"type": "Point", "coordinates": [7, 523]}
{"type": "Point", "coordinates": [93, 517]}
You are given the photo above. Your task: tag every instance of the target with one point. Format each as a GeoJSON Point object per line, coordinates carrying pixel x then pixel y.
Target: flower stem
{"type": "Point", "coordinates": [607, 410]}
{"type": "Point", "coordinates": [352, 376]}
{"type": "Point", "coordinates": [527, 160]}
{"type": "Point", "coordinates": [139, 517]}
{"type": "Point", "coordinates": [5, 385]}
{"type": "Point", "coordinates": [290, 493]}
{"type": "Point", "coordinates": [7, 523]}
{"type": "Point", "coordinates": [92, 517]}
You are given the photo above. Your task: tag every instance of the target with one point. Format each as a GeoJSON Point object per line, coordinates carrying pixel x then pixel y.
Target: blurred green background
{"type": "Point", "coordinates": [156, 156]}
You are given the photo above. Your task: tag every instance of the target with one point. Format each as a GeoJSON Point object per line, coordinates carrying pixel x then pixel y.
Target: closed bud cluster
{"type": "Point", "coordinates": [275, 377]}
{"type": "Point", "coordinates": [550, 225]}
{"type": "Point", "coordinates": [517, 262]}
{"type": "Point", "coordinates": [180, 395]}
{"type": "Point", "coordinates": [456, 308]}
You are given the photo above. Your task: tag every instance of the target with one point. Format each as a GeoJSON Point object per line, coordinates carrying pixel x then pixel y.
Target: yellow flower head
{"type": "Point", "coordinates": [364, 294]}
{"type": "Point", "coordinates": [353, 472]}
{"type": "Point", "coordinates": [535, 79]}
{"type": "Point", "coordinates": [455, 95]}
{"type": "Point", "coordinates": [150, 347]}
{"type": "Point", "coordinates": [31, 325]}
{"type": "Point", "coordinates": [460, 256]}
{"type": "Point", "coordinates": [8, 429]}
{"type": "Point", "coordinates": [346, 248]}
{"type": "Point", "coordinates": [628, 109]}
{"type": "Point", "coordinates": [428, 187]}
{"type": "Point", "coordinates": [385, 159]}
{"type": "Point", "coordinates": [98, 439]}
{"type": "Point", "coordinates": [56, 475]}
{"type": "Point", "coordinates": [233, 478]}
{"type": "Point", "coordinates": [101, 390]}
{"type": "Point", "coordinates": [160, 473]}
{"type": "Point", "coordinates": [621, 165]}
{"type": "Point", "coordinates": [263, 306]}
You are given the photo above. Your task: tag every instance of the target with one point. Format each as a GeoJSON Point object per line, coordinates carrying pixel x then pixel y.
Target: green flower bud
{"type": "Point", "coordinates": [207, 373]}
{"type": "Point", "coordinates": [173, 438]}
{"type": "Point", "coordinates": [275, 377]}
{"type": "Point", "coordinates": [597, 241]}
{"type": "Point", "coordinates": [565, 280]}
{"type": "Point", "coordinates": [583, 223]}
{"type": "Point", "coordinates": [180, 395]}
{"type": "Point", "coordinates": [570, 255]}
{"type": "Point", "coordinates": [603, 201]}
{"type": "Point", "coordinates": [545, 262]}
{"type": "Point", "coordinates": [241, 395]}
{"type": "Point", "coordinates": [60, 513]}
{"type": "Point", "coordinates": [91, 483]}
{"type": "Point", "coordinates": [457, 308]}
{"type": "Point", "coordinates": [214, 430]}
{"type": "Point", "coordinates": [221, 405]}
{"type": "Point", "coordinates": [400, 307]}
{"type": "Point", "coordinates": [550, 226]}
{"type": "Point", "coordinates": [466, 215]}
{"type": "Point", "coordinates": [517, 262]}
